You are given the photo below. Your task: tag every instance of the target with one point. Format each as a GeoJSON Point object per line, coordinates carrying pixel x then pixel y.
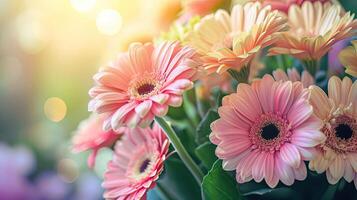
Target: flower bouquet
{"type": "Point", "coordinates": [239, 102]}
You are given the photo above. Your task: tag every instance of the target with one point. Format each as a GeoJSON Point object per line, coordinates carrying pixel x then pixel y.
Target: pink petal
{"type": "Point", "coordinates": [118, 116]}
{"type": "Point", "coordinates": [269, 171]}
{"type": "Point", "coordinates": [160, 98]}
{"type": "Point", "coordinates": [290, 155]}
{"type": "Point", "coordinates": [143, 108]}
{"type": "Point", "coordinates": [259, 167]}
{"type": "Point", "coordinates": [300, 172]}
{"type": "Point", "coordinates": [284, 171]}
{"type": "Point", "coordinates": [307, 138]}
{"type": "Point", "coordinates": [159, 110]}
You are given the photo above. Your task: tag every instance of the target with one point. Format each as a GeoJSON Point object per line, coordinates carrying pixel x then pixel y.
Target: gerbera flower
{"type": "Point", "coordinates": [136, 164]}
{"type": "Point", "coordinates": [338, 155]}
{"type": "Point", "coordinates": [314, 28]}
{"type": "Point", "coordinates": [266, 131]}
{"type": "Point", "coordinates": [143, 83]}
{"type": "Point", "coordinates": [232, 41]}
{"type": "Point", "coordinates": [348, 58]}
{"type": "Point", "coordinates": [90, 136]}
{"type": "Point", "coordinates": [284, 5]}
{"type": "Point", "coordinates": [293, 75]}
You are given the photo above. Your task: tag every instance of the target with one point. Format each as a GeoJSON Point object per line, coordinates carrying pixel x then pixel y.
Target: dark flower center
{"type": "Point", "coordinates": [270, 131]}
{"type": "Point", "coordinates": [144, 165]}
{"type": "Point", "coordinates": [343, 131]}
{"type": "Point", "coordinates": [145, 88]}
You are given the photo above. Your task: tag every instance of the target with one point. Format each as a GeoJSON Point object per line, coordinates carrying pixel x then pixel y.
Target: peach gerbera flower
{"type": "Point", "coordinates": [266, 131]}
{"type": "Point", "coordinates": [314, 28]}
{"type": "Point", "coordinates": [143, 83]}
{"type": "Point", "coordinates": [348, 58]}
{"type": "Point", "coordinates": [232, 41]}
{"type": "Point", "coordinates": [90, 136]}
{"type": "Point", "coordinates": [338, 155]}
{"type": "Point", "coordinates": [293, 75]}
{"type": "Point", "coordinates": [136, 165]}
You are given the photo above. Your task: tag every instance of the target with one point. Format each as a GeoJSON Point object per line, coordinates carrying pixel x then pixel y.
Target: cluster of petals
{"type": "Point", "coordinates": [348, 58]}
{"type": "Point", "coordinates": [136, 165]}
{"type": "Point", "coordinates": [266, 131]}
{"type": "Point", "coordinates": [91, 136]}
{"type": "Point", "coordinates": [338, 155]}
{"type": "Point", "coordinates": [232, 40]}
{"type": "Point", "coordinates": [143, 82]}
{"type": "Point", "coordinates": [314, 28]}
{"type": "Point", "coordinates": [293, 75]}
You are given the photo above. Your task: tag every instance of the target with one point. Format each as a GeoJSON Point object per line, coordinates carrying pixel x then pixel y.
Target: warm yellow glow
{"type": "Point", "coordinates": [31, 34]}
{"type": "Point", "coordinates": [83, 5]}
{"type": "Point", "coordinates": [55, 109]}
{"type": "Point", "coordinates": [109, 22]}
{"type": "Point", "coordinates": [68, 170]}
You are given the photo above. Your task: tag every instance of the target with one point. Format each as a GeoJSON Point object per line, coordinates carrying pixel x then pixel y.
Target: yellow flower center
{"type": "Point", "coordinates": [143, 87]}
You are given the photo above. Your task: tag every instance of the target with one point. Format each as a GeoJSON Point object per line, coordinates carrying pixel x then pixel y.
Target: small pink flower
{"type": "Point", "coordinates": [266, 130]}
{"type": "Point", "coordinates": [293, 75]}
{"type": "Point", "coordinates": [90, 136]}
{"type": "Point", "coordinates": [143, 83]}
{"type": "Point", "coordinates": [136, 165]}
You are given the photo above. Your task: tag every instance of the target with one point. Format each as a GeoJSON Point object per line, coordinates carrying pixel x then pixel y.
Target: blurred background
{"type": "Point", "coordinates": [49, 51]}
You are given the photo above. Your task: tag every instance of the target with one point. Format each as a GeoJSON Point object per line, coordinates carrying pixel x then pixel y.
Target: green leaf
{"type": "Point", "coordinates": [205, 152]}
{"type": "Point", "coordinates": [204, 129]}
{"type": "Point", "coordinates": [218, 184]}
{"type": "Point", "coordinates": [177, 182]}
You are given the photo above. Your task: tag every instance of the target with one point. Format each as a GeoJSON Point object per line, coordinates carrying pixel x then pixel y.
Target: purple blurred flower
{"type": "Point", "coordinates": [50, 186]}
{"type": "Point", "coordinates": [16, 163]}
{"type": "Point", "coordinates": [335, 67]}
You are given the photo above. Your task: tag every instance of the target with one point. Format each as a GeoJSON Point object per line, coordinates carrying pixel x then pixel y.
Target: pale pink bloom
{"type": "Point", "coordinates": [136, 165]}
{"type": "Point", "coordinates": [200, 7]}
{"type": "Point", "coordinates": [284, 5]}
{"type": "Point", "coordinates": [314, 28]}
{"type": "Point", "coordinates": [91, 136]}
{"type": "Point", "coordinates": [338, 155]}
{"type": "Point", "coordinates": [293, 75]}
{"type": "Point", "coordinates": [266, 131]}
{"type": "Point", "coordinates": [233, 40]}
{"type": "Point", "coordinates": [143, 83]}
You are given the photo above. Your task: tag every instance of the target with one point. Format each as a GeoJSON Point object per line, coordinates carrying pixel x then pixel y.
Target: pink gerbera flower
{"type": "Point", "coordinates": [266, 131]}
{"type": "Point", "coordinates": [293, 75]}
{"type": "Point", "coordinates": [143, 83]}
{"type": "Point", "coordinates": [338, 155]}
{"type": "Point", "coordinates": [90, 136]}
{"type": "Point", "coordinates": [284, 5]}
{"type": "Point", "coordinates": [136, 165]}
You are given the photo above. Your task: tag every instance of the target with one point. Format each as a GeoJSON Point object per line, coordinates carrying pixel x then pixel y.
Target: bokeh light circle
{"type": "Point", "coordinates": [55, 109]}
{"type": "Point", "coordinates": [109, 22]}
{"type": "Point", "coordinates": [83, 5]}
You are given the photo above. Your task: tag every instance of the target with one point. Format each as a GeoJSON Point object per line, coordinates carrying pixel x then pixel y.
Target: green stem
{"type": "Point", "coordinates": [242, 75]}
{"type": "Point", "coordinates": [312, 66]}
{"type": "Point", "coordinates": [180, 149]}
{"type": "Point", "coordinates": [199, 102]}
{"type": "Point", "coordinates": [190, 109]}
